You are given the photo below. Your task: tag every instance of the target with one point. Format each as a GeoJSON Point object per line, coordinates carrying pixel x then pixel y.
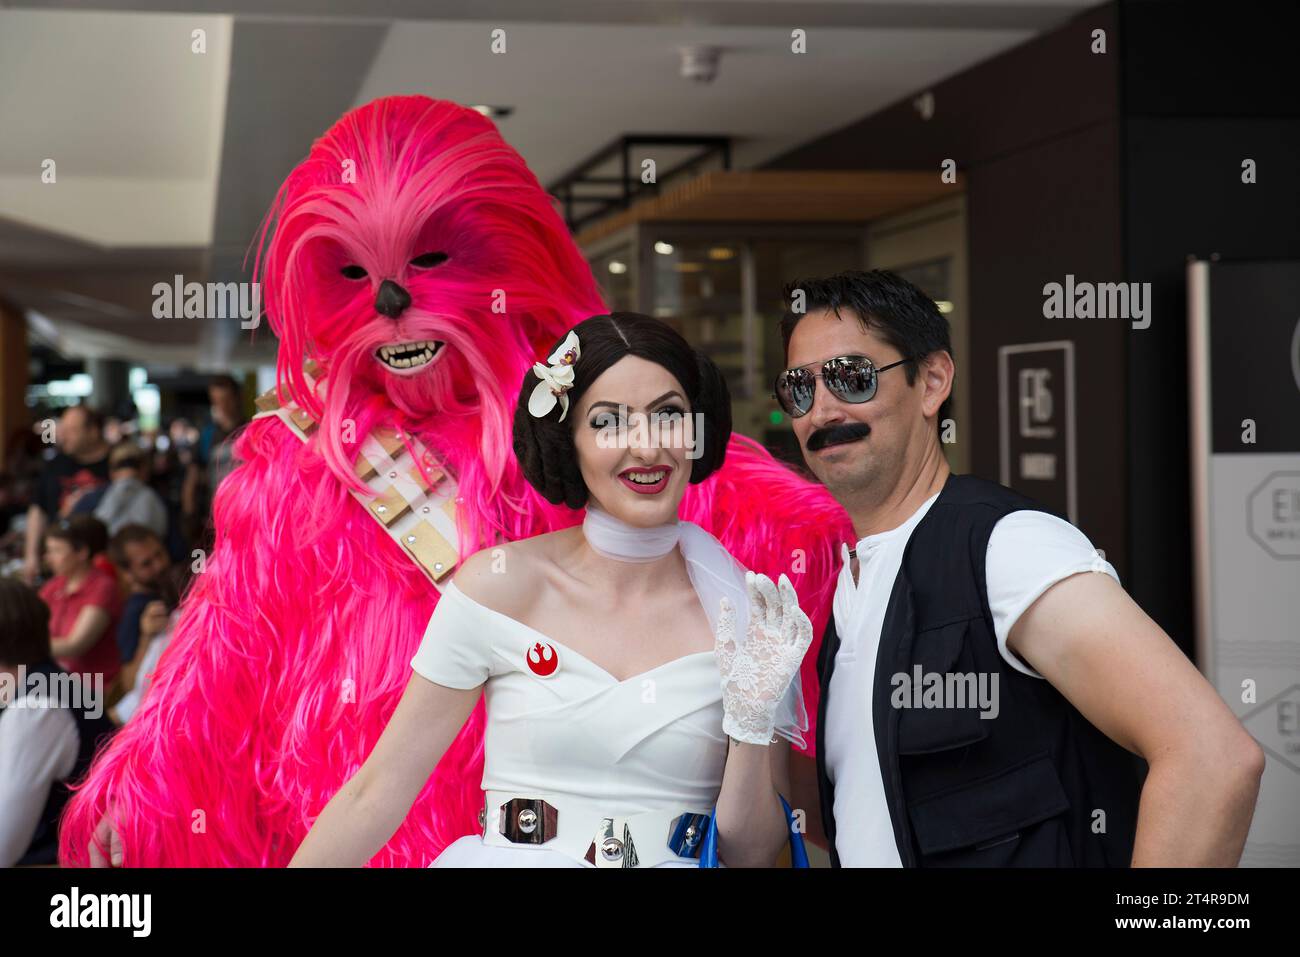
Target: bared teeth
{"type": "Point", "coordinates": [646, 478]}
{"type": "Point", "coordinates": [407, 355]}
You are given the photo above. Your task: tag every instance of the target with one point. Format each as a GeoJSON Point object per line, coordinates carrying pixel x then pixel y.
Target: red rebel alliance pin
{"type": "Point", "coordinates": [542, 660]}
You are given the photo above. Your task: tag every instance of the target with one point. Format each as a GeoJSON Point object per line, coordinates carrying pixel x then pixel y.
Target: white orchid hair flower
{"type": "Point", "coordinates": [557, 379]}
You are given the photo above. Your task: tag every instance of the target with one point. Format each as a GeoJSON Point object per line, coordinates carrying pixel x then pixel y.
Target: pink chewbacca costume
{"type": "Point", "coordinates": [294, 645]}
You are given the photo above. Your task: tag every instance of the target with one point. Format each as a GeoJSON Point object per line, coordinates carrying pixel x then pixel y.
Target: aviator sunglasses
{"type": "Point", "coordinates": [849, 378]}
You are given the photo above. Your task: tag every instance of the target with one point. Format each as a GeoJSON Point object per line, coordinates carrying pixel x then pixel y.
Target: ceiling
{"type": "Point", "coordinates": [166, 156]}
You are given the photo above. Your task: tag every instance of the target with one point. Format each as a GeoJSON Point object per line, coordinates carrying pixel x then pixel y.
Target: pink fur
{"type": "Point", "coordinates": [294, 645]}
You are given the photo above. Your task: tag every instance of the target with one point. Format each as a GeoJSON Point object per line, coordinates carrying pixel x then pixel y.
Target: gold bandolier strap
{"type": "Point", "coordinates": [418, 513]}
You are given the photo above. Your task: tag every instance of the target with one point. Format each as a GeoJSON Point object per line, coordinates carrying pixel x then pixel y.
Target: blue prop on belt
{"type": "Point", "coordinates": [709, 850]}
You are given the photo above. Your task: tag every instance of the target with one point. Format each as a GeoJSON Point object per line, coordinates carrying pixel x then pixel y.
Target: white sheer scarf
{"type": "Point", "coordinates": [713, 572]}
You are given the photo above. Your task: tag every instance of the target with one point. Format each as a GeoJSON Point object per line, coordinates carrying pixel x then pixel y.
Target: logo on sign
{"type": "Point", "coordinates": [1036, 404]}
{"type": "Point", "coordinates": [1036, 421]}
{"type": "Point", "coordinates": [1273, 515]}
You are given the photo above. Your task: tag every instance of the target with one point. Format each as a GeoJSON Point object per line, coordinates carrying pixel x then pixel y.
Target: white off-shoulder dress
{"type": "Point", "coordinates": [562, 729]}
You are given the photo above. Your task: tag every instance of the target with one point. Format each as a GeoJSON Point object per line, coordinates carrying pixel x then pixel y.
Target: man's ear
{"type": "Point", "coordinates": [937, 371]}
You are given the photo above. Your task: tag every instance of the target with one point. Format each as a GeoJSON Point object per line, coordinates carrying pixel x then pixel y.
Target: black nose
{"type": "Point", "coordinates": [392, 299]}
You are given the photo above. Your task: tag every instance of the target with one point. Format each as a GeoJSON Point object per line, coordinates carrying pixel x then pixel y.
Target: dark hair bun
{"type": "Point", "coordinates": [714, 395]}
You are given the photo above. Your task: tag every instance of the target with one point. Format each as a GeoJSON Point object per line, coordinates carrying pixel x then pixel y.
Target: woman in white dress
{"type": "Point", "coordinates": [636, 676]}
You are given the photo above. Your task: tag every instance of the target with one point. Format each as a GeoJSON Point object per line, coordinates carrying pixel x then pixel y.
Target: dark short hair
{"type": "Point", "coordinates": [24, 625]}
{"type": "Point", "coordinates": [94, 418]}
{"type": "Point", "coordinates": [223, 381]}
{"type": "Point", "coordinates": [129, 535]}
{"type": "Point", "coordinates": [544, 445]}
{"type": "Point", "coordinates": [883, 303]}
{"type": "Point", "coordinates": [81, 531]}
{"type": "Point", "coordinates": [126, 454]}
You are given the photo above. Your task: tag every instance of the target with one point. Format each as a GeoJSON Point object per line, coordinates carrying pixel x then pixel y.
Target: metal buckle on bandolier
{"type": "Point", "coordinates": [686, 834]}
{"type": "Point", "coordinates": [417, 509]}
{"type": "Point", "coordinates": [528, 821]}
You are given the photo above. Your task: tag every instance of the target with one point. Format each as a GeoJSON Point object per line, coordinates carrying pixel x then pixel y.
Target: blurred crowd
{"type": "Point", "coordinates": [101, 526]}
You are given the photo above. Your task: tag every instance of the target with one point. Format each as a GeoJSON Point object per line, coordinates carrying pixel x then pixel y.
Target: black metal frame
{"type": "Point", "coordinates": [629, 186]}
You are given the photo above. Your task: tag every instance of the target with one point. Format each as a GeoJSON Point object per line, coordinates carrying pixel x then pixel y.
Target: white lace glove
{"type": "Point", "coordinates": [756, 677]}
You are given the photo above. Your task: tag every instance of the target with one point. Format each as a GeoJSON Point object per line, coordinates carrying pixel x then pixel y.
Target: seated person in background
{"type": "Point", "coordinates": [46, 738]}
{"type": "Point", "coordinates": [80, 466]}
{"type": "Point", "coordinates": [156, 624]}
{"type": "Point", "coordinates": [96, 535]}
{"type": "Point", "coordinates": [214, 457]}
{"type": "Point", "coordinates": [83, 600]}
{"type": "Point", "coordinates": [126, 500]}
{"type": "Point", "coordinates": [140, 555]}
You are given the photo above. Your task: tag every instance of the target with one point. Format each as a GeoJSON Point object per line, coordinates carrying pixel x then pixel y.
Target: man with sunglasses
{"type": "Point", "coordinates": [957, 583]}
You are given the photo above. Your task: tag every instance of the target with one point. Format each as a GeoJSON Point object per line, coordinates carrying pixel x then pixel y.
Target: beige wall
{"type": "Point", "coordinates": [934, 232]}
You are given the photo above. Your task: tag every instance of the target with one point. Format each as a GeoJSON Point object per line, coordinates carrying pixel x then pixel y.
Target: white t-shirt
{"type": "Point", "coordinates": [129, 703]}
{"type": "Point", "coordinates": [1028, 552]}
{"type": "Point", "coordinates": [38, 746]}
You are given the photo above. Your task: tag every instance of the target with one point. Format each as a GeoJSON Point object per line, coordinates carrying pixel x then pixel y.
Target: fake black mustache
{"type": "Point", "coordinates": [838, 434]}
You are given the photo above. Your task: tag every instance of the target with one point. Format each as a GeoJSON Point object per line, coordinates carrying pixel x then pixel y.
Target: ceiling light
{"type": "Point", "coordinates": [699, 63]}
{"type": "Point", "coordinates": [495, 112]}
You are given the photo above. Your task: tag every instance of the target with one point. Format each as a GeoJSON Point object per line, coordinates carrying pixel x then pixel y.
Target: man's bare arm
{"type": "Point", "coordinates": [33, 534]}
{"type": "Point", "coordinates": [805, 796]}
{"type": "Point", "coordinates": [1088, 638]}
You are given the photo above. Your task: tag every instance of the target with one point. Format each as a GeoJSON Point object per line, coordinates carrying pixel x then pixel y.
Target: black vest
{"type": "Point", "coordinates": [1032, 787]}
{"type": "Point", "coordinates": [91, 733]}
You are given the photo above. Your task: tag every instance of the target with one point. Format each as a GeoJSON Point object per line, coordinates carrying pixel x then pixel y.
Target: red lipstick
{"type": "Point", "coordinates": [644, 487]}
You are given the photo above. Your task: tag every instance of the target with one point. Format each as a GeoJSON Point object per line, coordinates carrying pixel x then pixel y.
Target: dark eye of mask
{"type": "Point", "coordinates": [429, 260]}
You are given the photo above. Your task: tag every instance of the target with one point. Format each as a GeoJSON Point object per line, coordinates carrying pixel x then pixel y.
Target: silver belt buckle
{"type": "Point", "coordinates": [607, 849]}
{"type": "Point", "coordinates": [528, 821]}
